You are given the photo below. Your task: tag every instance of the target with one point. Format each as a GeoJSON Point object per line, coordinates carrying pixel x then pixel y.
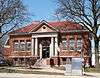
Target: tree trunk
{"type": "Point", "coordinates": [96, 53]}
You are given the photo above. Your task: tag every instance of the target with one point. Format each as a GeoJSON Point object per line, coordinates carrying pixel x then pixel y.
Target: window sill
{"type": "Point", "coordinates": [68, 50]}
{"type": "Point", "coordinates": [22, 51]}
{"type": "Point", "coordinates": [65, 50]}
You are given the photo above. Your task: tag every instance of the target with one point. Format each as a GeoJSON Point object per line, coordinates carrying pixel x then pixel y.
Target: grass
{"type": "Point", "coordinates": [31, 71]}
{"type": "Point", "coordinates": [4, 70]}
{"type": "Point", "coordinates": [38, 70]}
{"type": "Point", "coordinates": [88, 69]}
{"type": "Point", "coordinates": [92, 70]}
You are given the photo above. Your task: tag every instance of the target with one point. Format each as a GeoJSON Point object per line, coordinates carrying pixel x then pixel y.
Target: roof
{"type": "Point", "coordinates": [65, 26]}
{"type": "Point", "coordinates": [62, 26]}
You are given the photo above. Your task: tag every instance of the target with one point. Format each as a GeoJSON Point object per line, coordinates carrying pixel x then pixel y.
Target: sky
{"type": "Point", "coordinates": [41, 9]}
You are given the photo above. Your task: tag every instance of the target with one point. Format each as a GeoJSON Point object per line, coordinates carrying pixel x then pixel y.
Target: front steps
{"type": "Point", "coordinates": [41, 63]}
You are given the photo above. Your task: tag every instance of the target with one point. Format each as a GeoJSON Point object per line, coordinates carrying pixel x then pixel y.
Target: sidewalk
{"type": "Point", "coordinates": [17, 75]}
{"type": "Point", "coordinates": [52, 74]}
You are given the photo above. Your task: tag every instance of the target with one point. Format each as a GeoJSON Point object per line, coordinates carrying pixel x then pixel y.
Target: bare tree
{"type": "Point", "coordinates": [12, 13]}
{"type": "Point", "coordinates": [86, 12]}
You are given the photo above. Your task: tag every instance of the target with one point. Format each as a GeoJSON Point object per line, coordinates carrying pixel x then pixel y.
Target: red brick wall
{"type": "Point", "coordinates": [11, 51]}
{"type": "Point", "coordinates": [69, 54]}
{"type": "Point", "coordinates": [7, 52]}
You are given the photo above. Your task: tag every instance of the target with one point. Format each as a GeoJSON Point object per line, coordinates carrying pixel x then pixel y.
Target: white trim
{"type": "Point", "coordinates": [51, 47]}
{"type": "Point", "coordinates": [40, 49]}
{"type": "Point", "coordinates": [22, 51]}
{"type": "Point", "coordinates": [65, 50]}
{"type": "Point", "coordinates": [74, 56]}
{"type": "Point", "coordinates": [36, 46]}
{"type": "Point", "coordinates": [32, 46]}
{"type": "Point", "coordinates": [69, 56]}
{"type": "Point", "coordinates": [56, 46]}
{"type": "Point", "coordinates": [45, 35]}
{"type": "Point", "coordinates": [7, 46]}
{"type": "Point", "coordinates": [6, 41]}
{"type": "Point", "coordinates": [21, 56]}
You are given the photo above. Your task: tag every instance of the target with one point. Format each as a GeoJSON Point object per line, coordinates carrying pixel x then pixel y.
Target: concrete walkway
{"type": "Point", "coordinates": [52, 70]}
{"type": "Point", "coordinates": [17, 75]}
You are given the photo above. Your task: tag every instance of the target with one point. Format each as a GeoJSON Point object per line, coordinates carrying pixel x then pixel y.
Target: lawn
{"type": "Point", "coordinates": [92, 70]}
{"type": "Point", "coordinates": [27, 71]}
{"type": "Point", "coordinates": [37, 70]}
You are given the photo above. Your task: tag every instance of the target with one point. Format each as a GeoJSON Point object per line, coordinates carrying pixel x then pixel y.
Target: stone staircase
{"type": "Point", "coordinates": [40, 63]}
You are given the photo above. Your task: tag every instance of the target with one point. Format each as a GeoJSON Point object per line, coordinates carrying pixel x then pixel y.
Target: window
{"type": "Point", "coordinates": [63, 61]}
{"type": "Point", "coordinates": [66, 60]}
{"type": "Point", "coordinates": [28, 45]}
{"type": "Point", "coordinates": [72, 44]}
{"type": "Point", "coordinates": [44, 28]}
{"type": "Point", "coordinates": [79, 44]}
{"type": "Point", "coordinates": [22, 45]}
{"type": "Point", "coordinates": [16, 45]}
{"type": "Point", "coordinates": [69, 60]}
{"type": "Point", "coordinates": [22, 59]}
{"type": "Point", "coordinates": [15, 59]}
{"type": "Point", "coordinates": [64, 45]}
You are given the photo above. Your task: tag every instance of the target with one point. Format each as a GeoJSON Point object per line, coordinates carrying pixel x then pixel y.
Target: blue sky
{"type": "Point", "coordinates": [41, 9]}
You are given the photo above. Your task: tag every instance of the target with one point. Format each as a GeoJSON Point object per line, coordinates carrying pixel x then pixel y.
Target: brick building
{"type": "Point", "coordinates": [44, 40]}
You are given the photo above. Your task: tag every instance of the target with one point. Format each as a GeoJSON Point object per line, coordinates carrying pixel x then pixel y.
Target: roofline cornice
{"type": "Point", "coordinates": [20, 33]}
{"type": "Point", "coordinates": [77, 31]}
{"type": "Point", "coordinates": [69, 31]}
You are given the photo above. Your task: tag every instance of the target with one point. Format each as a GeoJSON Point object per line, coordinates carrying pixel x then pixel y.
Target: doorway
{"type": "Point", "coordinates": [45, 47]}
{"type": "Point", "coordinates": [45, 51]}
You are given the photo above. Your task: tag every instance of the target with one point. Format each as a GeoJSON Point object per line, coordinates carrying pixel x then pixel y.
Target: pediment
{"type": "Point", "coordinates": [44, 27]}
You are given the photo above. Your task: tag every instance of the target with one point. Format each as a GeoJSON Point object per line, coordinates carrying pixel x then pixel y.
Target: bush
{"type": "Point", "coordinates": [9, 62]}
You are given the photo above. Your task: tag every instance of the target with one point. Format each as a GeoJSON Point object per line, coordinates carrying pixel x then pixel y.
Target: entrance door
{"type": "Point", "coordinates": [45, 47]}
{"type": "Point", "coordinates": [45, 52]}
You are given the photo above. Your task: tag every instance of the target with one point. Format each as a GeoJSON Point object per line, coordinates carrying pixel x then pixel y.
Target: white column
{"type": "Point", "coordinates": [51, 47]}
{"type": "Point", "coordinates": [50, 50]}
{"type": "Point", "coordinates": [56, 45]}
{"type": "Point", "coordinates": [36, 46]}
{"type": "Point", "coordinates": [32, 47]}
{"type": "Point", "coordinates": [40, 46]}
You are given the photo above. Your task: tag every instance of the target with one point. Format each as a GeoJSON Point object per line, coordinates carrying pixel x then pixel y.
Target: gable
{"type": "Point", "coordinates": [45, 28]}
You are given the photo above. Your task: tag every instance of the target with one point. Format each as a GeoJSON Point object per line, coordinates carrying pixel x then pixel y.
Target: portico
{"type": "Point", "coordinates": [44, 45]}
